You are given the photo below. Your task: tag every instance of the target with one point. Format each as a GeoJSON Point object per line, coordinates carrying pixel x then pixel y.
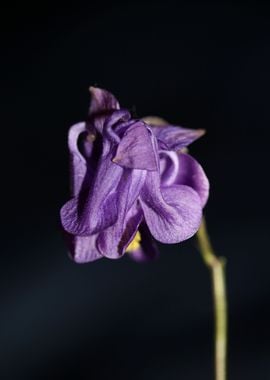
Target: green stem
{"type": "Point", "coordinates": [216, 266]}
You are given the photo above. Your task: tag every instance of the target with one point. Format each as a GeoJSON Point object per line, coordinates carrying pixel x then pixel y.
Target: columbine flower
{"type": "Point", "coordinates": [131, 182]}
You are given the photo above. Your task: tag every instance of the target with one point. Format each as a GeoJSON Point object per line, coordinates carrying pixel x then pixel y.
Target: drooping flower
{"type": "Point", "coordinates": [131, 183]}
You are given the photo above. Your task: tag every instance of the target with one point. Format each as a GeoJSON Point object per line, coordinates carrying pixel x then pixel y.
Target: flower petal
{"type": "Point", "coordinates": [192, 174]}
{"type": "Point", "coordinates": [148, 249]}
{"type": "Point", "coordinates": [182, 169]}
{"type": "Point", "coordinates": [111, 123]}
{"type": "Point", "coordinates": [83, 248]}
{"type": "Point", "coordinates": [136, 150]}
{"type": "Point", "coordinates": [172, 214]}
{"type": "Point", "coordinates": [78, 166]}
{"type": "Point", "coordinates": [132, 221]}
{"type": "Point", "coordinates": [176, 138]}
{"type": "Point", "coordinates": [95, 209]}
{"type": "Point", "coordinates": [169, 167]}
{"type": "Point", "coordinates": [102, 104]}
{"type": "Point", "coordinates": [78, 217]}
{"type": "Point", "coordinates": [112, 242]}
{"type": "Point", "coordinates": [102, 100]}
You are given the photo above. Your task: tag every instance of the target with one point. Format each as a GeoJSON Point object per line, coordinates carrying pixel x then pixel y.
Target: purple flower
{"type": "Point", "coordinates": [131, 183]}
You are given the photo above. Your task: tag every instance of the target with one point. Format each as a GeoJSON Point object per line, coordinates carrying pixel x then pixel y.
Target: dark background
{"type": "Point", "coordinates": [200, 65]}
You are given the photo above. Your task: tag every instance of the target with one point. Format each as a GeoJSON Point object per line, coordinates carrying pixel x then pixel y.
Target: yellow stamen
{"type": "Point", "coordinates": [135, 244]}
{"type": "Point", "coordinates": [91, 137]}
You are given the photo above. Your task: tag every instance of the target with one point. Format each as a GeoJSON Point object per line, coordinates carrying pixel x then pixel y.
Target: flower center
{"type": "Point", "coordinates": [135, 244]}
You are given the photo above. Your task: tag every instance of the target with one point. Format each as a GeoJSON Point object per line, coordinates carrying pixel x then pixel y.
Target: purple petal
{"type": "Point", "coordinates": [102, 100]}
{"type": "Point", "coordinates": [132, 221]}
{"type": "Point", "coordinates": [169, 167]}
{"type": "Point", "coordinates": [173, 214]}
{"type": "Point", "coordinates": [176, 138]}
{"type": "Point", "coordinates": [78, 217]}
{"type": "Point", "coordinates": [182, 169]}
{"type": "Point", "coordinates": [136, 150]}
{"type": "Point", "coordinates": [111, 123]}
{"type": "Point", "coordinates": [78, 166]}
{"type": "Point", "coordinates": [102, 104]}
{"type": "Point", "coordinates": [95, 209]}
{"type": "Point", "coordinates": [148, 249]}
{"type": "Point", "coordinates": [192, 174]}
{"type": "Point", "coordinates": [113, 241]}
{"type": "Point", "coordinates": [83, 248]}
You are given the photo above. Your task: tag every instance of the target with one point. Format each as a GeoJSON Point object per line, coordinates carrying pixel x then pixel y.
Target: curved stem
{"type": "Point", "coordinates": [216, 266]}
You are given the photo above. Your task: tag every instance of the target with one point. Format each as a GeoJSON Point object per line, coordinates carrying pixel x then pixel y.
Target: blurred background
{"type": "Point", "coordinates": [196, 64]}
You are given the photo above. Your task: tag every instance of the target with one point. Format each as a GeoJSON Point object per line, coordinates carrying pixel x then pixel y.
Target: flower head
{"type": "Point", "coordinates": [131, 182]}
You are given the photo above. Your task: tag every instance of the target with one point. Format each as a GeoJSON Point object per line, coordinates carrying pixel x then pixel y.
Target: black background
{"type": "Point", "coordinates": [200, 65]}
